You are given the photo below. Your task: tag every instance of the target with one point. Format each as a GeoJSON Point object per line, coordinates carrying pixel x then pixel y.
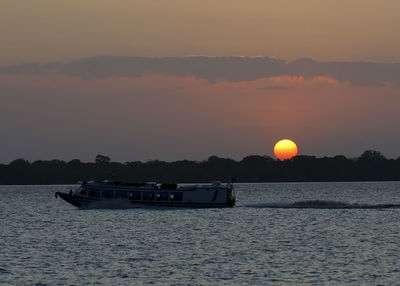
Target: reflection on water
{"type": "Point", "coordinates": [321, 233]}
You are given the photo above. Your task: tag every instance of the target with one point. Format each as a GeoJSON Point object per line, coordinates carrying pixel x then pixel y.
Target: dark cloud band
{"type": "Point", "coordinates": [212, 69]}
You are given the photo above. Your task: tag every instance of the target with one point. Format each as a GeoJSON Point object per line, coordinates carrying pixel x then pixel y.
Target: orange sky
{"type": "Point", "coordinates": [351, 30]}
{"type": "Point", "coordinates": [150, 97]}
{"type": "Point", "coordinates": [169, 118]}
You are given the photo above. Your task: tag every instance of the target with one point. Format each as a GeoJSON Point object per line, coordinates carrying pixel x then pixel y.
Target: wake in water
{"type": "Point", "coordinates": [321, 204]}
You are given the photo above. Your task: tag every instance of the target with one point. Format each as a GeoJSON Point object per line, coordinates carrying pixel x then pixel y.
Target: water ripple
{"type": "Point", "coordinates": [45, 241]}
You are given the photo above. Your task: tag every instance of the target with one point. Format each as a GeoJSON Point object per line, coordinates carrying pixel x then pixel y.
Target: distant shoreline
{"type": "Point", "coordinates": [300, 182]}
{"type": "Point", "coordinates": [370, 166]}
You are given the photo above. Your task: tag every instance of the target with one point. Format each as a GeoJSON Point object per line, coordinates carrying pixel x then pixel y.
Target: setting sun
{"type": "Point", "coordinates": [285, 149]}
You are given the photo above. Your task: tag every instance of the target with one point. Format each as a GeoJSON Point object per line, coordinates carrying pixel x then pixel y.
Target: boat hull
{"type": "Point", "coordinates": [83, 202]}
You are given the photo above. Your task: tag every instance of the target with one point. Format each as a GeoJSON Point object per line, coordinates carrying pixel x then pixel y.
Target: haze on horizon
{"type": "Point", "coordinates": [124, 78]}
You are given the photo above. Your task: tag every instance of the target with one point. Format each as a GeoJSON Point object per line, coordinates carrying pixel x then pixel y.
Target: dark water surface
{"type": "Point", "coordinates": [278, 234]}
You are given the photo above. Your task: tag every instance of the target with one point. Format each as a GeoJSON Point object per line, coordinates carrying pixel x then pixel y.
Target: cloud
{"type": "Point", "coordinates": [214, 69]}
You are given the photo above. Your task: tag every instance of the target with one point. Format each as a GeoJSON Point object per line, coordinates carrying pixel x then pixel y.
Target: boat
{"type": "Point", "coordinates": [112, 194]}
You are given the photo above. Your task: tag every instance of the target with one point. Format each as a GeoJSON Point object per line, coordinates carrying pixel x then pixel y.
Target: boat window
{"type": "Point", "coordinates": [94, 193]}
{"type": "Point", "coordinates": [107, 194]}
{"type": "Point", "coordinates": [168, 186]}
{"type": "Point", "coordinates": [121, 195]}
{"type": "Point", "coordinates": [148, 196]}
{"type": "Point", "coordinates": [135, 196]}
{"type": "Point", "coordinates": [177, 197]}
{"type": "Point", "coordinates": [162, 196]}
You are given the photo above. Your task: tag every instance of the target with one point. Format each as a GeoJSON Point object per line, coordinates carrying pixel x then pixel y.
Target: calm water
{"type": "Point", "coordinates": [45, 241]}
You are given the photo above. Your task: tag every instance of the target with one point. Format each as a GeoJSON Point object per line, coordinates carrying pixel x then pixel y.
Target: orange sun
{"type": "Point", "coordinates": [285, 149]}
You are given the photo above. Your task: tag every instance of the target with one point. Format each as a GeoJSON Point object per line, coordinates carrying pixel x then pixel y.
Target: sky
{"type": "Point", "coordinates": [173, 80]}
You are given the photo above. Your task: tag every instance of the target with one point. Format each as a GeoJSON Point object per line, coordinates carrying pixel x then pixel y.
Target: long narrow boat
{"type": "Point", "coordinates": [128, 195]}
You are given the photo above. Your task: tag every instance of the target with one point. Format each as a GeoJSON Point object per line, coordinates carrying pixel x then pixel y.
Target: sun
{"type": "Point", "coordinates": [285, 149]}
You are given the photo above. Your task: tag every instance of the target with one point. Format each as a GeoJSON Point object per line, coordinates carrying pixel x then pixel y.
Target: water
{"type": "Point", "coordinates": [264, 240]}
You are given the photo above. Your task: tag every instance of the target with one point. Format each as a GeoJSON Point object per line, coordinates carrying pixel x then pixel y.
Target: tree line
{"type": "Point", "coordinates": [370, 166]}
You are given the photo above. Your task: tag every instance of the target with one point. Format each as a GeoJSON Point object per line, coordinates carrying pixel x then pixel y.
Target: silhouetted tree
{"type": "Point", "coordinates": [371, 155]}
{"type": "Point", "coordinates": [19, 163]}
{"type": "Point", "coordinates": [101, 159]}
{"type": "Point", "coordinates": [75, 162]}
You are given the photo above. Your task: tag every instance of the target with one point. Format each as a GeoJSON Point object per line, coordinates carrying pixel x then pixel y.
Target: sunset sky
{"type": "Point", "coordinates": [172, 80]}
